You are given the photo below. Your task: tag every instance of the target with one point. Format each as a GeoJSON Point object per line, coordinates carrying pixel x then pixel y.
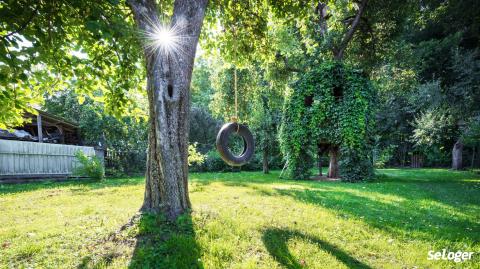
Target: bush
{"type": "Point", "coordinates": [382, 156]}
{"type": "Point", "coordinates": [354, 165]}
{"type": "Point", "coordinates": [90, 166]}
{"type": "Point", "coordinates": [194, 157]}
{"type": "Point", "coordinates": [213, 163]}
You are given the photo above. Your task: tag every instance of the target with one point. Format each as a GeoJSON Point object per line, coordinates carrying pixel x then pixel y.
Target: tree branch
{"type": "Point", "coordinates": [23, 26]}
{"type": "Point", "coordinates": [322, 12]}
{"type": "Point", "coordinates": [285, 60]}
{"type": "Point", "coordinates": [338, 51]}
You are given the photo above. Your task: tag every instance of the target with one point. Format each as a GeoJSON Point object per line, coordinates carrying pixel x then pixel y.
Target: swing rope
{"type": "Point", "coordinates": [228, 129]}
{"type": "Point", "coordinates": [235, 87]}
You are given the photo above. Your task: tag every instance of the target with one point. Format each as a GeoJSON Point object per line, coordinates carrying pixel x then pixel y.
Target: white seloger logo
{"type": "Point", "coordinates": [458, 256]}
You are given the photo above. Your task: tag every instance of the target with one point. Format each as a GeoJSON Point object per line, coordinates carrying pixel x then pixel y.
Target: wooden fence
{"type": "Point", "coordinates": [20, 159]}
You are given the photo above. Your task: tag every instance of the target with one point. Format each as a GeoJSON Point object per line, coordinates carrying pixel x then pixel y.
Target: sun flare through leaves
{"type": "Point", "coordinates": [166, 40]}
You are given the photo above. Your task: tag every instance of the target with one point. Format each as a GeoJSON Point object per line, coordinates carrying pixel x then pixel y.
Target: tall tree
{"type": "Point", "coordinates": [168, 85]}
{"type": "Point", "coordinates": [89, 46]}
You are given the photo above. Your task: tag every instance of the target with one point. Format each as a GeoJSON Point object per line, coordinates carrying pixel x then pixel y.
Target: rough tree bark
{"type": "Point", "coordinates": [168, 86]}
{"type": "Point", "coordinates": [457, 155]}
{"type": "Point", "coordinates": [340, 49]}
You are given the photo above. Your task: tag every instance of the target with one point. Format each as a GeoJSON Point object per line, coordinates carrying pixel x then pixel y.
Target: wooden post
{"type": "Point", "coordinates": [39, 128]}
{"type": "Point", "coordinates": [61, 140]}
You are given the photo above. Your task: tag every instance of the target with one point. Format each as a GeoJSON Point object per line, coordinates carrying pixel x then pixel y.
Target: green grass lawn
{"type": "Point", "coordinates": [246, 220]}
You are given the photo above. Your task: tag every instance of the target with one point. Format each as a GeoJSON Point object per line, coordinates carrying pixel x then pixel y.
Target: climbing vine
{"type": "Point", "coordinates": [332, 103]}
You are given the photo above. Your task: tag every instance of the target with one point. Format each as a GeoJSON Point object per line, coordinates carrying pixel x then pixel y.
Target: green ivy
{"type": "Point", "coordinates": [312, 114]}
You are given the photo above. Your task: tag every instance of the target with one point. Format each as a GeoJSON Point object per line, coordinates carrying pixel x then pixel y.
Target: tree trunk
{"type": "Point", "coordinates": [168, 87]}
{"type": "Point", "coordinates": [265, 161]}
{"type": "Point", "coordinates": [333, 171]}
{"type": "Point", "coordinates": [457, 155]}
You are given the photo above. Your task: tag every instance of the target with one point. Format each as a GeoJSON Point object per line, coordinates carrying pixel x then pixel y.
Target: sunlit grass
{"type": "Point", "coordinates": [246, 220]}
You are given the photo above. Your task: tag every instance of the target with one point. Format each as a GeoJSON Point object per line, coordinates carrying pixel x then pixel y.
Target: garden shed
{"type": "Point", "coordinates": [44, 147]}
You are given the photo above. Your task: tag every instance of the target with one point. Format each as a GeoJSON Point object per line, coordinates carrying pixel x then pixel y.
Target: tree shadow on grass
{"type": "Point", "coordinates": [163, 244]}
{"type": "Point", "coordinates": [243, 178]}
{"type": "Point", "coordinates": [78, 184]}
{"type": "Point", "coordinates": [455, 189]}
{"type": "Point", "coordinates": [425, 175]}
{"type": "Point", "coordinates": [198, 179]}
{"type": "Point", "coordinates": [276, 240]}
{"type": "Point", "coordinates": [406, 217]}
{"type": "Point", "coordinates": [156, 243]}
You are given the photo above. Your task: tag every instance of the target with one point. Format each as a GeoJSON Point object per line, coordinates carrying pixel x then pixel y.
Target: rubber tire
{"type": "Point", "coordinates": [222, 144]}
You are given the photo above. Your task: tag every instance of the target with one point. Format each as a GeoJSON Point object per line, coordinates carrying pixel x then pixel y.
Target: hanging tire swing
{"type": "Point", "coordinates": [233, 128]}
{"type": "Point", "coordinates": [225, 132]}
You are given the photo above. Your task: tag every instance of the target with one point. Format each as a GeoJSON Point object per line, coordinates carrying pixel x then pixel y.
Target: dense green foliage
{"type": "Point", "coordinates": [47, 46]}
{"type": "Point", "coordinates": [432, 73]}
{"type": "Point", "coordinates": [245, 220]}
{"type": "Point", "coordinates": [334, 104]}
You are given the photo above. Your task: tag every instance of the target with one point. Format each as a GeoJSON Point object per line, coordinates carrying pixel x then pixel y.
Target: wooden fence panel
{"type": "Point", "coordinates": [20, 159]}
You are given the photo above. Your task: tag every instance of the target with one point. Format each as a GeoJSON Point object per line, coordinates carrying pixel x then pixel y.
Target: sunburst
{"type": "Point", "coordinates": [168, 40]}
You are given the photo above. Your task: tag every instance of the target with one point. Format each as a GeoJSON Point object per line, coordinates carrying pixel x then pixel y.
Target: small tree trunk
{"type": "Point", "coordinates": [457, 155]}
{"type": "Point", "coordinates": [333, 167]}
{"type": "Point", "coordinates": [168, 85]}
{"type": "Point", "coordinates": [265, 161]}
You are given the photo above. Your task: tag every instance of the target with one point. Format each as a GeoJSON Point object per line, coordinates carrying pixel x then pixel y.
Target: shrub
{"type": "Point", "coordinates": [382, 156]}
{"type": "Point", "coordinates": [194, 157]}
{"type": "Point", "coordinates": [214, 162]}
{"type": "Point", "coordinates": [90, 166]}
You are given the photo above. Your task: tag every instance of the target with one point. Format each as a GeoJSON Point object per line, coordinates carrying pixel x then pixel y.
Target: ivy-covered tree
{"type": "Point", "coordinates": [332, 104]}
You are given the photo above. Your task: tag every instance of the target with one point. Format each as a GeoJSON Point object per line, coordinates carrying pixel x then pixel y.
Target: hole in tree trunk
{"type": "Point", "coordinates": [170, 90]}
